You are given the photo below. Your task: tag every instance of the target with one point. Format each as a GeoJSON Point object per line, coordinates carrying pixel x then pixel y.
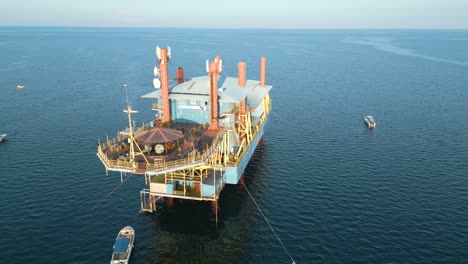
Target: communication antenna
{"type": "Point", "coordinates": [156, 83]}
{"type": "Point", "coordinates": [126, 95]}
{"type": "Point", "coordinates": [131, 140]}
{"type": "Point", "coordinates": [158, 52]}
{"type": "Point", "coordinates": [131, 124]}
{"type": "Point", "coordinates": [168, 53]}
{"type": "Point", "coordinates": [156, 71]}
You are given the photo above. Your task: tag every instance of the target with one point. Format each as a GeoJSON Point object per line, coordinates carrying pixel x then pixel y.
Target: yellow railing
{"type": "Point", "coordinates": [255, 129]}
{"type": "Point", "coordinates": [116, 140]}
{"type": "Point", "coordinates": [190, 161]}
{"type": "Point", "coordinates": [157, 165]}
{"type": "Point", "coordinates": [120, 164]}
{"type": "Point", "coordinates": [160, 166]}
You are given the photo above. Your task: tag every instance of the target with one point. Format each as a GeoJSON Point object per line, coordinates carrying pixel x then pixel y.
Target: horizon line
{"type": "Point", "coordinates": [233, 28]}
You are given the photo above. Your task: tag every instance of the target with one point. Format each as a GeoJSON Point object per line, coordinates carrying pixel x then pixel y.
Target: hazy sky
{"type": "Point", "coordinates": [238, 13]}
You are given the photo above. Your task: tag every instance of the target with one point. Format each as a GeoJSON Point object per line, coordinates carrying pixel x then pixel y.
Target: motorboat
{"type": "Point", "coordinates": [3, 137]}
{"type": "Point", "coordinates": [123, 246]}
{"type": "Point", "coordinates": [370, 121]}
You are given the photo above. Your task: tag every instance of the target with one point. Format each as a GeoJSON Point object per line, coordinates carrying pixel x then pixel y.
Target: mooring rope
{"type": "Point", "coordinates": [268, 222]}
{"type": "Point", "coordinates": [115, 189]}
{"type": "Point", "coordinates": [135, 216]}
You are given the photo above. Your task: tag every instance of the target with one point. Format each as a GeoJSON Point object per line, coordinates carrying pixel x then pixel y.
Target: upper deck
{"type": "Point", "coordinates": [192, 148]}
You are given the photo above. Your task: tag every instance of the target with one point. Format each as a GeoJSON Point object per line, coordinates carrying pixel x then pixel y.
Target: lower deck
{"type": "Point", "coordinates": [204, 184]}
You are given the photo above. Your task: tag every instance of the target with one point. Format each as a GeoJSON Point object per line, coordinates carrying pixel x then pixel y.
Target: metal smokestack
{"type": "Point", "coordinates": [262, 71]}
{"type": "Point", "coordinates": [242, 73]}
{"type": "Point", "coordinates": [214, 73]}
{"type": "Point", "coordinates": [180, 75]}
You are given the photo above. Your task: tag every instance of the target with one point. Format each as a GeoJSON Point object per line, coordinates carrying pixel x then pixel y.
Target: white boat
{"type": "Point", "coordinates": [123, 246]}
{"type": "Point", "coordinates": [3, 137]}
{"type": "Point", "coordinates": [370, 121]}
{"type": "Point", "coordinates": [19, 86]}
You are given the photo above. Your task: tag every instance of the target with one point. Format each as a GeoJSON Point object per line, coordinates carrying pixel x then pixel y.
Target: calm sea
{"type": "Point", "coordinates": [335, 191]}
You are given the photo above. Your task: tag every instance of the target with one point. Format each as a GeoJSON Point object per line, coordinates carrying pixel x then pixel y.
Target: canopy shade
{"type": "Point", "coordinates": [121, 244]}
{"type": "Point", "coordinates": [158, 135]}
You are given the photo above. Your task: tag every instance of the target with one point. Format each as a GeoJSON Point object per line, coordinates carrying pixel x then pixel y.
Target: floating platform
{"type": "Point", "coordinates": [202, 137]}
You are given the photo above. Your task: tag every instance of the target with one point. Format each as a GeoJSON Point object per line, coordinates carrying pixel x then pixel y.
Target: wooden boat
{"type": "Point", "coordinates": [19, 86]}
{"type": "Point", "coordinates": [3, 137]}
{"type": "Point", "coordinates": [123, 246]}
{"type": "Point", "coordinates": [370, 121]}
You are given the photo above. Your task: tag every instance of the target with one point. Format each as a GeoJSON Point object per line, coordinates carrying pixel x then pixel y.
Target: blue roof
{"type": "Point", "coordinates": [195, 89]}
{"type": "Point", "coordinates": [232, 92]}
{"type": "Point", "coordinates": [256, 96]}
{"type": "Point", "coordinates": [121, 244]}
{"type": "Point", "coordinates": [198, 88]}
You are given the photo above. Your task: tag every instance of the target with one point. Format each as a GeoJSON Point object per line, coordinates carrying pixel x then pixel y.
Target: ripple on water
{"type": "Point", "coordinates": [335, 191]}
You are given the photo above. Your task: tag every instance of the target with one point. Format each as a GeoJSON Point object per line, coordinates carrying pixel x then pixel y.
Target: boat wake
{"type": "Point", "coordinates": [386, 45]}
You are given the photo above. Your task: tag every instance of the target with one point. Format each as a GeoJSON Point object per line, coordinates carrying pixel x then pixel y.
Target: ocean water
{"type": "Point", "coordinates": [335, 191]}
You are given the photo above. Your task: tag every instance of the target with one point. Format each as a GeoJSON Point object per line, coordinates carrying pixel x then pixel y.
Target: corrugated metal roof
{"type": "Point", "coordinates": [198, 85]}
{"type": "Point", "coordinates": [153, 95]}
{"type": "Point", "coordinates": [256, 96]}
{"type": "Point", "coordinates": [195, 89]}
{"type": "Point", "coordinates": [232, 92]}
{"type": "Point", "coordinates": [195, 97]}
{"type": "Point", "coordinates": [229, 92]}
{"type": "Point", "coordinates": [177, 96]}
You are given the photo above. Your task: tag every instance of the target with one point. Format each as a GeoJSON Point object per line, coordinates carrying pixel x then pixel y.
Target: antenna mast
{"type": "Point", "coordinates": [131, 139]}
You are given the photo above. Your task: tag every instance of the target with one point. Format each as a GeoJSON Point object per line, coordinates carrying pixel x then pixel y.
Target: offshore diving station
{"type": "Point", "coordinates": [203, 135]}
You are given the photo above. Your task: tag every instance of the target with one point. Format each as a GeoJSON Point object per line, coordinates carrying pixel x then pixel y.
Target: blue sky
{"type": "Point", "coordinates": [237, 13]}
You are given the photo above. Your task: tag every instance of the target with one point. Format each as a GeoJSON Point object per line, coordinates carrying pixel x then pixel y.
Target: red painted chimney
{"type": "Point", "coordinates": [262, 71]}
{"type": "Point", "coordinates": [241, 72]}
{"type": "Point", "coordinates": [180, 75]}
{"type": "Point", "coordinates": [214, 72]}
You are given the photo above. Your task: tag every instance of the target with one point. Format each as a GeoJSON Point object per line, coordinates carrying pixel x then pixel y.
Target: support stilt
{"type": "Point", "coordinates": [142, 197]}
{"type": "Point", "coordinates": [214, 210]}
{"type": "Point", "coordinates": [241, 180]}
{"type": "Point", "coordinates": [169, 202]}
{"type": "Point", "coordinates": [153, 203]}
{"type": "Point", "coordinates": [261, 140]}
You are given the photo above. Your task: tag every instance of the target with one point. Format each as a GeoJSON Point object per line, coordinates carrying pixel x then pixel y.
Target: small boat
{"type": "Point", "coordinates": [370, 121]}
{"type": "Point", "coordinates": [3, 137]}
{"type": "Point", "coordinates": [123, 246]}
{"type": "Point", "coordinates": [19, 86]}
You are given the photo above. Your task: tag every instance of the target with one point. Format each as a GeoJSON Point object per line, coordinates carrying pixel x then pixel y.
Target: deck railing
{"type": "Point", "coordinates": [254, 132]}
{"type": "Point", "coordinates": [120, 164]}
{"type": "Point", "coordinates": [157, 165]}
